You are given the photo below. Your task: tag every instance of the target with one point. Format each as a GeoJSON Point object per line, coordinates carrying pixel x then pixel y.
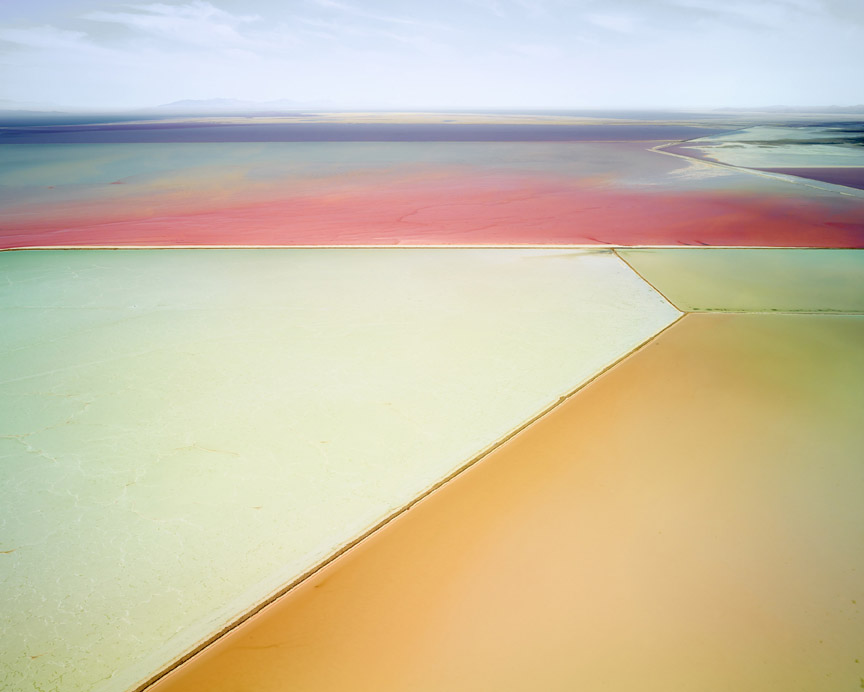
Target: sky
{"type": "Point", "coordinates": [448, 54]}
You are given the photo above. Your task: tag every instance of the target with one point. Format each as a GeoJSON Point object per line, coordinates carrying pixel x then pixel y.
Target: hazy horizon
{"type": "Point", "coordinates": [242, 107]}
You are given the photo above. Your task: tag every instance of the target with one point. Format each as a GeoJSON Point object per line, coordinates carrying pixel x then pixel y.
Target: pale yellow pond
{"type": "Point", "coordinates": [184, 432]}
{"type": "Point", "coordinates": [754, 279]}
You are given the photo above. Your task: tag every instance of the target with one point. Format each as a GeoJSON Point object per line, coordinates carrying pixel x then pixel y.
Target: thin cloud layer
{"type": "Point", "coordinates": [197, 23]}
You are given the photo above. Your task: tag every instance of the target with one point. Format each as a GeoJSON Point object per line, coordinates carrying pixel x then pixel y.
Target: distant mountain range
{"type": "Point", "coordinates": [796, 109]}
{"type": "Point", "coordinates": [184, 107]}
{"type": "Point", "coordinates": [210, 106]}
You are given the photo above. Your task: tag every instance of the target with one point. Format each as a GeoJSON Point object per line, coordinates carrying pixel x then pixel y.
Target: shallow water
{"type": "Point", "coordinates": [396, 193]}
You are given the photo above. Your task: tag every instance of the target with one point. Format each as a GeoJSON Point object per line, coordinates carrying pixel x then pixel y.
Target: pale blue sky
{"type": "Point", "coordinates": [445, 54]}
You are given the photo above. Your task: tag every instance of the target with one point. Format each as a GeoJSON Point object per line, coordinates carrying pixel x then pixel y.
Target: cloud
{"type": "Point", "coordinates": [845, 10]}
{"type": "Point", "coordinates": [371, 32]}
{"type": "Point", "coordinates": [507, 9]}
{"type": "Point", "coordinates": [369, 37]}
{"type": "Point", "coordinates": [354, 11]}
{"type": "Point", "coordinates": [619, 22]}
{"type": "Point", "coordinates": [535, 8]}
{"type": "Point", "coordinates": [767, 13]}
{"type": "Point", "coordinates": [196, 23]}
{"type": "Point", "coordinates": [44, 37]}
{"type": "Point", "coordinates": [493, 6]}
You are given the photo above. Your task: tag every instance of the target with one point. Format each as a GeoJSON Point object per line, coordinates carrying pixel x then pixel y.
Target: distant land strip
{"type": "Point", "coordinates": [177, 132]}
